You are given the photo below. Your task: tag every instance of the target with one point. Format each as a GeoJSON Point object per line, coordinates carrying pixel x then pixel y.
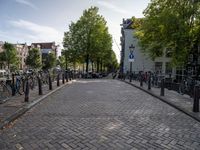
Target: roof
{"type": "Point", "coordinates": [47, 45]}
{"type": "Point", "coordinates": [127, 24]}
{"type": "Point", "coordinates": [46, 51]}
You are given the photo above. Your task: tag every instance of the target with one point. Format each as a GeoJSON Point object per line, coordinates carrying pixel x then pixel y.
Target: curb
{"type": "Point", "coordinates": [28, 106]}
{"type": "Point", "coordinates": [164, 100]}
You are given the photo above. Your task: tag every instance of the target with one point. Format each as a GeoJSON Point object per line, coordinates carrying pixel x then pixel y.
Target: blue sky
{"type": "Point", "coordinates": [46, 20]}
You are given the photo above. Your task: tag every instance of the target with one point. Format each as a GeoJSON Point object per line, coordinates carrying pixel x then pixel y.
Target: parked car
{"type": "Point", "coordinates": [3, 74]}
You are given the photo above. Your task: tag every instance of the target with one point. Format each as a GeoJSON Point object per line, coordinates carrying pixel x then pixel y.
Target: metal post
{"type": "Point", "coordinates": [58, 80]}
{"type": "Point", "coordinates": [26, 99]}
{"type": "Point", "coordinates": [13, 84]}
{"type": "Point", "coordinates": [63, 78]}
{"type": "Point", "coordinates": [196, 99]}
{"type": "Point", "coordinates": [149, 82]}
{"type": "Point", "coordinates": [23, 84]}
{"type": "Point", "coordinates": [70, 78]}
{"type": "Point", "coordinates": [162, 89]}
{"type": "Point", "coordinates": [130, 72]}
{"type": "Point", "coordinates": [39, 86]}
{"type": "Point", "coordinates": [50, 83]}
{"type": "Point", "coordinates": [141, 80]}
{"type": "Point", "coordinates": [66, 74]}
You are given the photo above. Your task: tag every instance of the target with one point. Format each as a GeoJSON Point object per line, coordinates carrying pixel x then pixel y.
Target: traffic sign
{"type": "Point", "coordinates": [131, 57]}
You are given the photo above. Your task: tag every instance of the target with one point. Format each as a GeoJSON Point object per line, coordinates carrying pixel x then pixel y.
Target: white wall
{"type": "Point", "coordinates": [142, 62]}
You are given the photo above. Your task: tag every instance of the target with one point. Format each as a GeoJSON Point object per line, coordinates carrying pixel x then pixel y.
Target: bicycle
{"type": "Point", "coordinates": [19, 85]}
{"type": "Point", "coordinates": [187, 87]}
{"type": "Point", "coordinates": [5, 91]}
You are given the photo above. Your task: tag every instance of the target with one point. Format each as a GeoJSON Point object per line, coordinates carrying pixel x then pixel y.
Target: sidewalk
{"type": "Point", "coordinates": [15, 106]}
{"type": "Point", "coordinates": [181, 102]}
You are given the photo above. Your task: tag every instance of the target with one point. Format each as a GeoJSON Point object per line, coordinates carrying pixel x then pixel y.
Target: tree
{"type": "Point", "coordinates": [34, 58]}
{"type": "Point", "coordinates": [61, 61]}
{"type": "Point", "coordinates": [171, 24]}
{"type": "Point", "coordinates": [2, 59]}
{"type": "Point", "coordinates": [10, 54]}
{"type": "Point", "coordinates": [87, 40]}
{"type": "Point", "coordinates": [49, 61]}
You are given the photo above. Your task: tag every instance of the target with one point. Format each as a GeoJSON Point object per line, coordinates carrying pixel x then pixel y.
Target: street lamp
{"type": "Point", "coordinates": [131, 59]}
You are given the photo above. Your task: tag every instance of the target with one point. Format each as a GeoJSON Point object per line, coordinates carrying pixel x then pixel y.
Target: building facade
{"type": "Point", "coordinates": [22, 53]}
{"type": "Point", "coordinates": [46, 48]}
{"type": "Point", "coordinates": [142, 62]}
{"type": "Point", "coordinates": [2, 66]}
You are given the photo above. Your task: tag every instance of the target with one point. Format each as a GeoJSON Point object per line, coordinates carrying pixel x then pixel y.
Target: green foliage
{"type": "Point", "coordinates": [88, 40]}
{"type": "Point", "coordinates": [173, 24]}
{"type": "Point", "coordinates": [34, 59]}
{"type": "Point", "coordinates": [9, 54]}
{"type": "Point", "coordinates": [61, 61]}
{"type": "Point", "coordinates": [49, 61]}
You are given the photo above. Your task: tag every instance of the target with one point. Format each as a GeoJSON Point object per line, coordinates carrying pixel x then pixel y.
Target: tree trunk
{"type": "Point", "coordinates": [8, 66]}
{"type": "Point", "coordinates": [87, 63]}
{"type": "Point", "coordinates": [97, 65]}
{"type": "Point", "coordinates": [66, 65]}
{"type": "Point", "coordinates": [101, 65]}
{"type": "Point", "coordinates": [92, 66]}
{"type": "Point", "coordinates": [83, 67]}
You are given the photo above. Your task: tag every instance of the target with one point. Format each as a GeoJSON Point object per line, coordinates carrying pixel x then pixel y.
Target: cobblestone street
{"type": "Point", "coordinates": [104, 115]}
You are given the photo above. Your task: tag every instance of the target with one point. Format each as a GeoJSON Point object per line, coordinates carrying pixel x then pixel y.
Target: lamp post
{"type": "Point", "coordinates": [131, 60]}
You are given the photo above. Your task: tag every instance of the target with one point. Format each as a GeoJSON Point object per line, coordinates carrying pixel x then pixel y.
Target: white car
{"type": "Point", "coordinates": [3, 74]}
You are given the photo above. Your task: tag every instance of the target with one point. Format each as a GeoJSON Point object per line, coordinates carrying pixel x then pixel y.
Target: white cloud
{"type": "Point", "coordinates": [36, 32]}
{"type": "Point", "coordinates": [26, 2]}
{"type": "Point", "coordinates": [113, 7]}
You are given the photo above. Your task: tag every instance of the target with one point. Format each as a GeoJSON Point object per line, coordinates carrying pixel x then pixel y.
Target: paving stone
{"type": "Point", "coordinates": [102, 114]}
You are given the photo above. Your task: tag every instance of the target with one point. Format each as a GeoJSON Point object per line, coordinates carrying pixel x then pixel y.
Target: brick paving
{"type": "Point", "coordinates": [104, 115]}
{"type": "Point", "coordinates": [15, 103]}
{"type": "Point", "coordinates": [184, 102]}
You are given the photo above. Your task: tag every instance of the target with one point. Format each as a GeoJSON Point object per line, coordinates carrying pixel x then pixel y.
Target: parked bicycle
{"type": "Point", "coordinates": [5, 90]}
{"type": "Point", "coordinates": [187, 86]}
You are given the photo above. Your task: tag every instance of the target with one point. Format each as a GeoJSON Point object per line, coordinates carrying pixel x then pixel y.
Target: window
{"type": "Point", "coordinates": [198, 61]}
{"type": "Point", "coordinates": [168, 69]}
{"type": "Point", "coordinates": [190, 58]}
{"type": "Point", "coordinates": [168, 52]}
{"type": "Point", "coordinates": [158, 67]}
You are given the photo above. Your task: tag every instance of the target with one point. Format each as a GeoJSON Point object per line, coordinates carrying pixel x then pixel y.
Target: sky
{"type": "Point", "coordinates": [27, 21]}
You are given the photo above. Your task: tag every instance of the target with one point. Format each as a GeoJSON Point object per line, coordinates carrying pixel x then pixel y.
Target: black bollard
{"type": "Point", "coordinates": [196, 99]}
{"type": "Point", "coordinates": [39, 86]}
{"type": "Point", "coordinates": [26, 99]}
{"type": "Point", "coordinates": [58, 80]}
{"type": "Point", "coordinates": [149, 82]}
{"type": "Point", "coordinates": [70, 75]}
{"type": "Point", "coordinates": [23, 84]}
{"type": "Point", "coordinates": [162, 89]}
{"type": "Point", "coordinates": [13, 84]}
{"type": "Point", "coordinates": [141, 81]}
{"type": "Point", "coordinates": [66, 76]}
{"type": "Point", "coordinates": [50, 83]}
{"type": "Point", "coordinates": [130, 78]}
{"type": "Point", "coordinates": [63, 78]}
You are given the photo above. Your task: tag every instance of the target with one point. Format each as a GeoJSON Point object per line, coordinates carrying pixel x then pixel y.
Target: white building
{"type": "Point", "coordinates": [22, 53]}
{"type": "Point", "coordinates": [141, 61]}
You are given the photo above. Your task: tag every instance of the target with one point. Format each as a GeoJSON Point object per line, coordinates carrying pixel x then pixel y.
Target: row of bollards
{"type": "Point", "coordinates": [196, 99]}
{"type": "Point", "coordinates": [162, 92]}
{"type": "Point", "coordinates": [40, 92]}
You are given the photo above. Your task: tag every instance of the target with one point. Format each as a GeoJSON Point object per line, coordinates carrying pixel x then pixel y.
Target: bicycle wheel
{"type": "Point", "coordinates": [31, 83]}
{"type": "Point", "coordinates": [181, 89]}
{"type": "Point", "coordinates": [20, 87]}
{"type": "Point", "coordinates": [5, 92]}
